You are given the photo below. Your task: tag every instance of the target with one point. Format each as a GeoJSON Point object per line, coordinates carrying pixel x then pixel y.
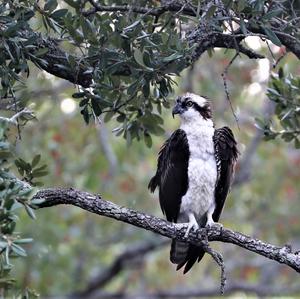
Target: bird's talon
{"type": "Point", "coordinates": [213, 224]}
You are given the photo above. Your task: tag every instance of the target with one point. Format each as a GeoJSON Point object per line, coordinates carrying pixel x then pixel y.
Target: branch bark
{"type": "Point", "coordinates": [95, 204]}
{"type": "Point", "coordinates": [169, 6]}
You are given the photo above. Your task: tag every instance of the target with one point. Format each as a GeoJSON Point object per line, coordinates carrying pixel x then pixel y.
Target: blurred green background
{"type": "Point", "coordinates": [71, 247]}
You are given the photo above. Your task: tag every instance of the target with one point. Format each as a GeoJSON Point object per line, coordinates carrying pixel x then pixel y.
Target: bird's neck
{"type": "Point", "coordinates": [197, 126]}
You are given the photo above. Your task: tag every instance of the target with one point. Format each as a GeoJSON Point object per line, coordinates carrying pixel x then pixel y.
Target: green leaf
{"type": "Point", "coordinates": [78, 95]}
{"type": "Point", "coordinates": [37, 174]}
{"type": "Point", "coordinates": [37, 201]}
{"type": "Point", "coordinates": [60, 13]}
{"type": "Point", "coordinates": [18, 250]}
{"type": "Point", "coordinates": [86, 115]}
{"type": "Point", "coordinates": [172, 57]}
{"type": "Point", "coordinates": [148, 139]}
{"type": "Point", "coordinates": [280, 73]}
{"type": "Point", "coordinates": [259, 123]}
{"type": "Point", "coordinates": [227, 3]}
{"type": "Point", "coordinates": [273, 13]}
{"type": "Point", "coordinates": [211, 11]}
{"type": "Point", "coordinates": [41, 52]}
{"type": "Point", "coordinates": [108, 116]}
{"type": "Point", "coordinates": [287, 136]}
{"type": "Point", "coordinates": [133, 88]}
{"type": "Point", "coordinates": [21, 164]}
{"type": "Point", "coordinates": [83, 102]}
{"type": "Point", "coordinates": [96, 107]}
{"type": "Point", "coordinates": [146, 89]}
{"type": "Point", "coordinates": [30, 211]}
{"type": "Point", "coordinates": [128, 138]}
{"type": "Point", "coordinates": [132, 26]}
{"type": "Point", "coordinates": [138, 56]}
{"type": "Point", "coordinates": [121, 118]}
{"type": "Point", "coordinates": [43, 167]}
{"type": "Point", "coordinates": [272, 36]}
{"type": "Point", "coordinates": [73, 3]}
{"type": "Point", "coordinates": [35, 161]}
{"type": "Point", "coordinates": [88, 29]}
{"type": "Point", "coordinates": [50, 5]}
{"type": "Point", "coordinates": [23, 241]}
{"type": "Point", "coordinates": [243, 26]}
{"type": "Point", "coordinates": [241, 4]}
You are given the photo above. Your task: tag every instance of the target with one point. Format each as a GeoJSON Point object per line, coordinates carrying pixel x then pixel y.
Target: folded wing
{"type": "Point", "coordinates": [226, 154]}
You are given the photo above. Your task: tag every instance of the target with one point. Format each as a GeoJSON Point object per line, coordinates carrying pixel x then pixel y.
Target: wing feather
{"type": "Point", "coordinates": [171, 176]}
{"type": "Point", "coordinates": [226, 154]}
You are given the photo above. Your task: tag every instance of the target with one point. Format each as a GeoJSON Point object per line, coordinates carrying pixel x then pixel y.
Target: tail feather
{"type": "Point", "coordinates": [184, 254]}
{"type": "Point", "coordinates": [178, 251]}
{"type": "Point", "coordinates": [194, 253]}
{"type": "Point", "coordinates": [153, 184]}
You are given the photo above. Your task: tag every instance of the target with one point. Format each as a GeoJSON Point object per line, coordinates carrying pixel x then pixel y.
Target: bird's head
{"type": "Point", "coordinates": [192, 107]}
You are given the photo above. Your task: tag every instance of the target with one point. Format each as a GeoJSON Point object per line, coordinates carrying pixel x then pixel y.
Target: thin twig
{"type": "Point", "coordinates": [14, 119]}
{"type": "Point", "coordinates": [279, 59]}
{"type": "Point", "coordinates": [218, 258]}
{"type": "Point", "coordinates": [270, 50]}
{"type": "Point", "coordinates": [224, 75]}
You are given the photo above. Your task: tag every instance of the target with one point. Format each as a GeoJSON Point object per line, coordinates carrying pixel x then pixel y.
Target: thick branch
{"type": "Point", "coordinates": [94, 204]}
{"type": "Point", "coordinates": [57, 62]}
{"type": "Point", "coordinates": [172, 6]}
{"type": "Point", "coordinates": [215, 39]}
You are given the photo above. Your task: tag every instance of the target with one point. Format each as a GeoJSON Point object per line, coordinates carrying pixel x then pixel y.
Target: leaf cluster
{"type": "Point", "coordinates": [13, 196]}
{"type": "Point", "coordinates": [150, 58]}
{"type": "Point", "coordinates": [284, 91]}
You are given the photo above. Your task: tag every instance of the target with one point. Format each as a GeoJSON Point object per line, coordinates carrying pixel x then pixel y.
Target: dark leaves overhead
{"type": "Point", "coordinates": [125, 57]}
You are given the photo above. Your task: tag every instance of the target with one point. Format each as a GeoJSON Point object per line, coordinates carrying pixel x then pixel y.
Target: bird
{"type": "Point", "coordinates": [195, 169]}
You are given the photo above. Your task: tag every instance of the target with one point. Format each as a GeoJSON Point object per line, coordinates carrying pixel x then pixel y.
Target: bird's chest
{"type": "Point", "coordinates": [202, 171]}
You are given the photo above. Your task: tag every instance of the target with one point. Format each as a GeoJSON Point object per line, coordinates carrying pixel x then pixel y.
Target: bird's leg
{"type": "Point", "coordinates": [191, 224]}
{"type": "Point", "coordinates": [210, 222]}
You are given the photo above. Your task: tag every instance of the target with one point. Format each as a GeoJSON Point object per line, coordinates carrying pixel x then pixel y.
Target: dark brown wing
{"type": "Point", "coordinates": [172, 174]}
{"type": "Point", "coordinates": [226, 154]}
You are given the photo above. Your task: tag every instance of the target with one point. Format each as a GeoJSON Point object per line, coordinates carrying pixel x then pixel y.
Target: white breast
{"type": "Point", "coordinates": [202, 170]}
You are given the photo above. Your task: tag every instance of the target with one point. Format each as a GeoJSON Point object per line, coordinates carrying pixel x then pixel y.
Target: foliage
{"type": "Point", "coordinates": [284, 92]}
{"type": "Point", "coordinates": [129, 57]}
{"type": "Point", "coordinates": [14, 194]}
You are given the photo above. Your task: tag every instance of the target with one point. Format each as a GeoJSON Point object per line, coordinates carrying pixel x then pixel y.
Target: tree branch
{"type": "Point", "coordinates": [171, 6]}
{"type": "Point", "coordinates": [212, 39]}
{"type": "Point", "coordinates": [95, 204]}
{"type": "Point", "coordinates": [27, 113]}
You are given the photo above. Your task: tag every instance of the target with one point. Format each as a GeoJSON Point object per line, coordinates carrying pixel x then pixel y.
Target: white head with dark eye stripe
{"type": "Point", "coordinates": [192, 107]}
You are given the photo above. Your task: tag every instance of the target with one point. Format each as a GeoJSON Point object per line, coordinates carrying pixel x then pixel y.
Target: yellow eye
{"type": "Point", "coordinates": [189, 103]}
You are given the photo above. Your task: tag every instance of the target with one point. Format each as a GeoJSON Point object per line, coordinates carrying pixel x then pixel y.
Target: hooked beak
{"type": "Point", "coordinates": [177, 109]}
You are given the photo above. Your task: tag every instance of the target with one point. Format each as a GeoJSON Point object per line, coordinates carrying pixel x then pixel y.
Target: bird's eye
{"type": "Point", "coordinates": [189, 103]}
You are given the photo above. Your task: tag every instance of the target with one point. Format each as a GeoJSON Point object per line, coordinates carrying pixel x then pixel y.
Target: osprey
{"type": "Point", "coordinates": [194, 173]}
